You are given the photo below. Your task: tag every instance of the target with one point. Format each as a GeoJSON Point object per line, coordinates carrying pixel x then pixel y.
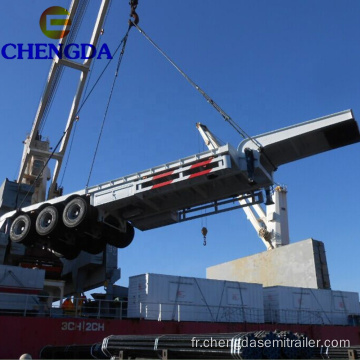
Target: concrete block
{"type": "Point", "coordinates": [301, 264]}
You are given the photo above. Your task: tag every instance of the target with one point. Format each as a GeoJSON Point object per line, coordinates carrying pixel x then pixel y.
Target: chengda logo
{"type": "Point", "coordinates": [55, 23]}
{"type": "Point", "coordinates": [53, 20]}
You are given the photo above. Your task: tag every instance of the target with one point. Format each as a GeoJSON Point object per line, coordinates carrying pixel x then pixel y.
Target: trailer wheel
{"type": "Point", "coordinates": [20, 228]}
{"type": "Point", "coordinates": [75, 212]}
{"type": "Point", "coordinates": [119, 239]}
{"type": "Point", "coordinates": [47, 220]}
{"type": "Point", "coordinates": [93, 242]}
{"type": "Point", "coordinates": [92, 246]}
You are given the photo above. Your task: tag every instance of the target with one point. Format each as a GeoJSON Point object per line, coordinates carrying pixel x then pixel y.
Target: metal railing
{"type": "Point", "coordinates": [43, 306]}
{"type": "Point", "coordinates": [190, 312]}
{"type": "Point", "coordinates": [316, 317]}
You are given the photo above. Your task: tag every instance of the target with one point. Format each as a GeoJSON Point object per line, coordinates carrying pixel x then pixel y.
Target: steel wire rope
{"type": "Point", "coordinates": [84, 95]}
{"type": "Point", "coordinates": [78, 18]}
{"type": "Point", "coordinates": [99, 77]}
{"type": "Point", "coordinates": [225, 116]}
{"type": "Point", "coordinates": [203, 222]}
{"type": "Point", "coordinates": [124, 41]}
{"type": "Point", "coordinates": [198, 88]}
{"type": "Point", "coordinates": [68, 155]}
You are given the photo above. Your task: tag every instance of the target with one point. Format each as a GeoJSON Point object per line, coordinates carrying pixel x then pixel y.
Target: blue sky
{"type": "Point", "coordinates": [269, 64]}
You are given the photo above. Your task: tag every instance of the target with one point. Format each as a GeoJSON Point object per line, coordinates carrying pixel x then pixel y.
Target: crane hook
{"type": "Point", "coordinates": [133, 4]}
{"type": "Point", "coordinates": [204, 232]}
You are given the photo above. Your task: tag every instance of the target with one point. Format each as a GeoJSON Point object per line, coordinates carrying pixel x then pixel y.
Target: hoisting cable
{"type": "Point", "coordinates": [198, 88]}
{"type": "Point", "coordinates": [133, 5]}
{"type": "Point", "coordinates": [69, 152]}
{"type": "Point", "coordinates": [77, 113]}
{"type": "Point", "coordinates": [108, 103]}
{"type": "Point", "coordinates": [100, 76]}
{"type": "Point", "coordinates": [134, 15]}
{"type": "Point", "coordinates": [225, 116]}
{"type": "Point", "coordinates": [84, 96]}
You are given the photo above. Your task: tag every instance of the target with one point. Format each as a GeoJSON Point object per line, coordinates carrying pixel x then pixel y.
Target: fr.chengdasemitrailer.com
{"type": "Point", "coordinates": [246, 342]}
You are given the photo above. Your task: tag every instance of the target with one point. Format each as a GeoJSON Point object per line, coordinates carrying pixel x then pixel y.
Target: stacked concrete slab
{"type": "Point", "coordinates": [301, 264]}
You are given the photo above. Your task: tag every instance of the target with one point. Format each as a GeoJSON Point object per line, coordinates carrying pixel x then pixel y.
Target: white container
{"type": "Point", "coordinates": [18, 279]}
{"type": "Point", "coordinates": [166, 297]}
{"type": "Point", "coordinates": [19, 287]}
{"type": "Point", "coordinates": [291, 305]}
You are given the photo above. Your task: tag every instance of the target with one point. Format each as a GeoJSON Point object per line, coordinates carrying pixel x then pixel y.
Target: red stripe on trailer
{"type": "Point", "coordinates": [163, 175]}
{"type": "Point", "coordinates": [203, 163]}
{"type": "Point", "coordinates": [162, 184]}
{"type": "Point", "coordinates": [200, 173]}
{"type": "Point", "coordinates": [13, 290]}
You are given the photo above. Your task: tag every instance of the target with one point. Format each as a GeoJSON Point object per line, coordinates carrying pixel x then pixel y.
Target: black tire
{"type": "Point", "coordinates": [47, 221]}
{"type": "Point", "coordinates": [66, 251]}
{"type": "Point", "coordinates": [75, 213]}
{"type": "Point", "coordinates": [93, 241]}
{"type": "Point", "coordinates": [20, 229]}
{"type": "Point", "coordinates": [92, 246]}
{"type": "Point", "coordinates": [72, 254]}
{"type": "Point", "coordinates": [119, 239]}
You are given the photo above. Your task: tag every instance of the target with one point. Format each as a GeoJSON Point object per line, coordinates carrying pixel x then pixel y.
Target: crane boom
{"type": "Point", "coordinates": [271, 225]}
{"type": "Point", "coordinates": [280, 147]}
{"type": "Point", "coordinates": [254, 212]}
{"type": "Point", "coordinates": [37, 149]}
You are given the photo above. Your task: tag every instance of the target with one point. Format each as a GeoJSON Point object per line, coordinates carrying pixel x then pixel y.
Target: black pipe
{"type": "Point", "coordinates": [245, 345]}
{"type": "Point", "coordinates": [73, 352]}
